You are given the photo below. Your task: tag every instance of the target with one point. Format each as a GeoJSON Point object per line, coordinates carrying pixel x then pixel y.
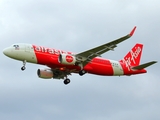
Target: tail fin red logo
{"type": "Point", "coordinates": [134, 56]}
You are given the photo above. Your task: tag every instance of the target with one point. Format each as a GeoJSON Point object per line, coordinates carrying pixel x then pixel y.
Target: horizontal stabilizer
{"type": "Point", "coordinates": [142, 66]}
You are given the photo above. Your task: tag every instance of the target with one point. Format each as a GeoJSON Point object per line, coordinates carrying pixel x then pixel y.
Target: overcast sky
{"type": "Point", "coordinates": [77, 25]}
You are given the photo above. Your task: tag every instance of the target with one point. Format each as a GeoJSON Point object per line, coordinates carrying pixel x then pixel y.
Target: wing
{"type": "Point", "coordinates": [88, 55]}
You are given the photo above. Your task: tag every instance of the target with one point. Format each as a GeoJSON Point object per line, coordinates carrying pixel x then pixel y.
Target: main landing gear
{"type": "Point", "coordinates": [82, 72]}
{"type": "Point", "coordinates": [24, 64]}
{"type": "Point", "coordinates": [67, 81]}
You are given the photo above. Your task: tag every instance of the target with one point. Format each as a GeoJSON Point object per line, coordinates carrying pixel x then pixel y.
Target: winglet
{"type": "Point", "coordinates": [132, 32]}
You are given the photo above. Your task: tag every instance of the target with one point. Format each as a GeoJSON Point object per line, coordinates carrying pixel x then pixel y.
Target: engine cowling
{"type": "Point", "coordinates": [45, 74]}
{"type": "Point", "coordinates": [67, 59]}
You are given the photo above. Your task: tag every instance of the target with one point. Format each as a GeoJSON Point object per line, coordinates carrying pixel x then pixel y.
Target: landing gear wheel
{"type": "Point", "coordinates": [82, 72]}
{"type": "Point", "coordinates": [23, 68]}
{"type": "Point", "coordinates": [66, 81]}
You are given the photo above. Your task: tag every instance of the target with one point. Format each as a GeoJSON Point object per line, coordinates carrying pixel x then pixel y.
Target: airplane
{"type": "Point", "coordinates": [61, 63]}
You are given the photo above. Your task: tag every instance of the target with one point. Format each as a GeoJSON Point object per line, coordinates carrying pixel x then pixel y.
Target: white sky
{"type": "Point", "coordinates": [76, 26]}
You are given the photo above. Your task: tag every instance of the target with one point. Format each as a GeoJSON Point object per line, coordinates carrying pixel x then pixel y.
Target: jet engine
{"type": "Point", "coordinates": [67, 59]}
{"type": "Point", "coordinates": [45, 74]}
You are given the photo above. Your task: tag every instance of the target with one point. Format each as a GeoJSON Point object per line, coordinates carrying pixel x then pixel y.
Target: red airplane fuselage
{"type": "Point", "coordinates": [98, 66]}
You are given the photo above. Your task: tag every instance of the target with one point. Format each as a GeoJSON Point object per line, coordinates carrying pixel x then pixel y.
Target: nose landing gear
{"type": "Point", "coordinates": [23, 68]}
{"type": "Point", "coordinates": [24, 64]}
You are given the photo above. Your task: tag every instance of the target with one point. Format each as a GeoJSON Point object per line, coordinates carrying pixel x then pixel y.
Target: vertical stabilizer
{"type": "Point", "coordinates": [134, 56]}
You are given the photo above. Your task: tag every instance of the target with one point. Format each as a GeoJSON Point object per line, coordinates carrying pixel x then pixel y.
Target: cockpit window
{"type": "Point", "coordinates": [16, 47]}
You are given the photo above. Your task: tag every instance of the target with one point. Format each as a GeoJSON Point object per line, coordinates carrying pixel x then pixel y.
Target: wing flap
{"type": "Point", "coordinates": [142, 66]}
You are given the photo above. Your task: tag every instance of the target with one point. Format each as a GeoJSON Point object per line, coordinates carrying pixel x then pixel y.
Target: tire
{"type": "Point", "coordinates": [82, 72]}
{"type": "Point", "coordinates": [66, 81]}
{"type": "Point", "coordinates": [23, 68]}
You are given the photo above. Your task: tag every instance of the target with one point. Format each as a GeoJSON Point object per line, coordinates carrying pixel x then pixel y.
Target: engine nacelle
{"type": "Point", "coordinates": [67, 59]}
{"type": "Point", "coordinates": [45, 74]}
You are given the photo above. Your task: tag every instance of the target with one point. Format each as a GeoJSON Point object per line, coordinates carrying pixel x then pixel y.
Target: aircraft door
{"type": "Point", "coordinates": [29, 54]}
{"type": "Point", "coordinates": [27, 48]}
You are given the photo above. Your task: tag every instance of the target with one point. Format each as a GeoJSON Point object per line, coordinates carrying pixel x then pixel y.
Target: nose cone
{"type": "Point", "coordinates": [6, 52]}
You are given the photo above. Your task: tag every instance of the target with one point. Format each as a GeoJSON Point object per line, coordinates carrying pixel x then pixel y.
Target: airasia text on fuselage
{"type": "Point", "coordinates": [50, 50]}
